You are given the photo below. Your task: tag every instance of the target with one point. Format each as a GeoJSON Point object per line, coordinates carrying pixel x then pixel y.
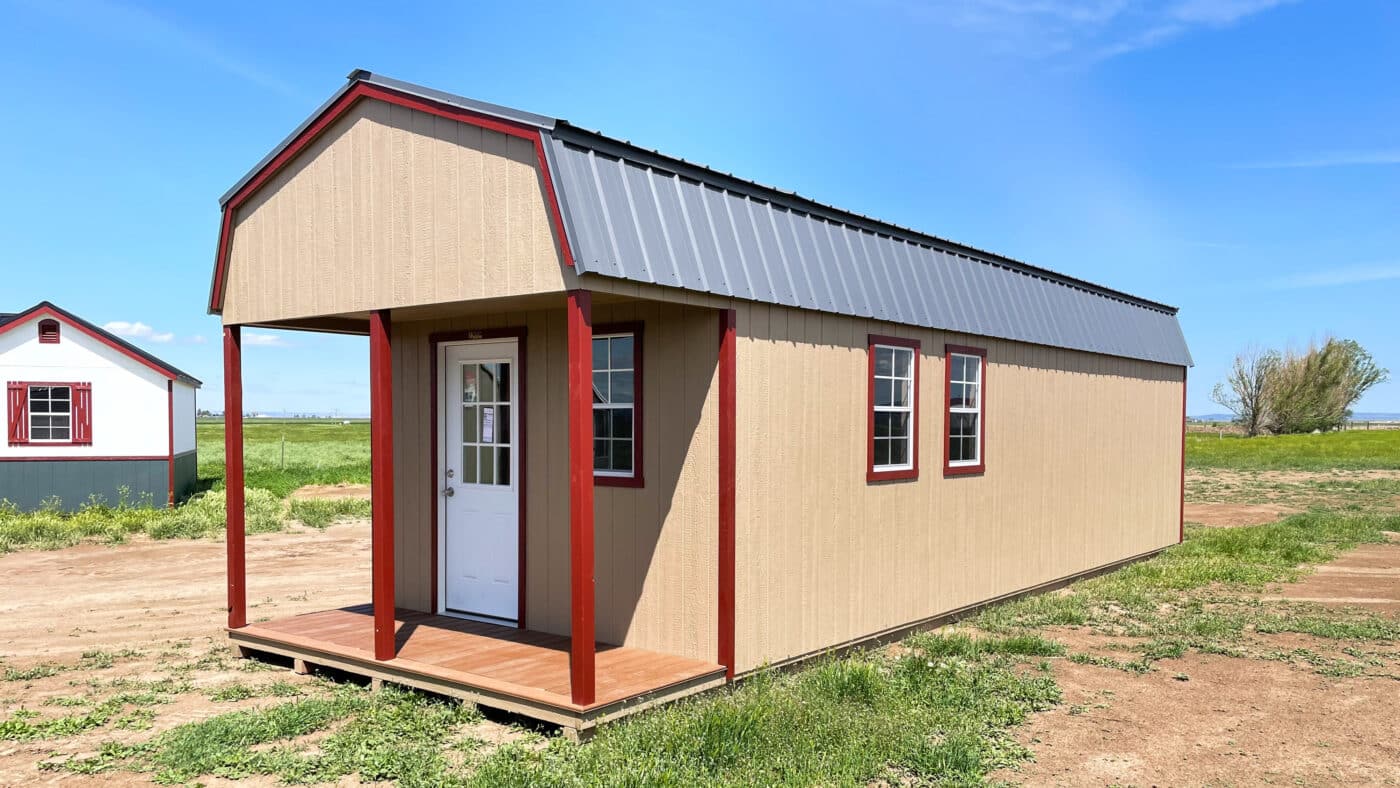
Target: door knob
{"type": "Point", "coordinates": [449, 492]}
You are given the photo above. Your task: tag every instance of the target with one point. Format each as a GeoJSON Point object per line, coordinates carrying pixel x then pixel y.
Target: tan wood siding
{"type": "Point", "coordinates": [656, 549]}
{"type": "Point", "coordinates": [1083, 461]}
{"type": "Point", "coordinates": [393, 207]}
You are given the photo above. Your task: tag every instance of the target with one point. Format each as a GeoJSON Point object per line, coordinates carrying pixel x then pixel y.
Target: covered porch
{"type": "Point", "coordinates": [563, 658]}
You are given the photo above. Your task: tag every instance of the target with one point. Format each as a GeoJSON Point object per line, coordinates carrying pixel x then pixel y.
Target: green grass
{"type": "Point", "coordinates": [318, 451]}
{"type": "Point", "coordinates": [1350, 450]}
{"type": "Point", "coordinates": [1202, 594]}
{"type": "Point", "coordinates": [201, 516]}
{"type": "Point", "coordinates": [938, 712]}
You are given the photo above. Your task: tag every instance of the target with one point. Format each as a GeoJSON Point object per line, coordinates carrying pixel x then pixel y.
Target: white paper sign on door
{"type": "Point", "coordinates": [488, 425]}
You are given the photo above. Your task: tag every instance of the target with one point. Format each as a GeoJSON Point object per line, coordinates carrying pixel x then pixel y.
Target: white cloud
{"type": "Point", "coordinates": [264, 340]}
{"type": "Point", "coordinates": [1091, 30]}
{"type": "Point", "coordinates": [1341, 275]}
{"type": "Point", "coordinates": [197, 339]}
{"type": "Point", "coordinates": [1369, 158]}
{"type": "Point", "coordinates": [148, 31]}
{"type": "Point", "coordinates": [138, 330]}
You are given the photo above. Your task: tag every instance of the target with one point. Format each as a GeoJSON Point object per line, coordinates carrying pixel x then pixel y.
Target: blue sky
{"type": "Point", "coordinates": [1237, 158]}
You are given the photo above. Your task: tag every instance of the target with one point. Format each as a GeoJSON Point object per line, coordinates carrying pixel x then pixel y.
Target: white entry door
{"type": "Point", "coordinates": [479, 539]}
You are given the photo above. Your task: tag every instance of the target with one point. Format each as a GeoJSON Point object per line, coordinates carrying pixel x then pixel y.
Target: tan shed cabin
{"type": "Point", "coordinates": [640, 426]}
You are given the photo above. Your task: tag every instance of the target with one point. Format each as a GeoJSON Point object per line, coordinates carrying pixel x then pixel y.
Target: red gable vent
{"type": "Point", "coordinates": [48, 332]}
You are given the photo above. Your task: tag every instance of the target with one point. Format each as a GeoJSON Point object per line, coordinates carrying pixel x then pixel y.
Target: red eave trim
{"type": "Point", "coordinates": [363, 90]}
{"type": "Point", "coordinates": [872, 475]}
{"type": "Point", "coordinates": [45, 311]}
{"type": "Point", "coordinates": [981, 466]}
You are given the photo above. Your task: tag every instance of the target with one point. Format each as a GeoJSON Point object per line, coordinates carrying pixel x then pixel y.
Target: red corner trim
{"type": "Point", "coordinates": [519, 334]}
{"type": "Point", "coordinates": [637, 478]}
{"type": "Point", "coordinates": [981, 466]}
{"type": "Point", "coordinates": [45, 311]}
{"type": "Point", "coordinates": [581, 544]}
{"type": "Point", "coordinates": [1181, 532]}
{"type": "Point", "coordinates": [333, 113]}
{"type": "Point", "coordinates": [170, 437]}
{"type": "Point", "coordinates": [872, 475]}
{"type": "Point", "coordinates": [728, 461]}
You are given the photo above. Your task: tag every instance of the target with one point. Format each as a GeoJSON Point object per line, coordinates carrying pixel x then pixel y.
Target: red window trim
{"type": "Point", "coordinates": [872, 475]}
{"type": "Point", "coordinates": [80, 413]}
{"type": "Point", "coordinates": [47, 337]}
{"type": "Point", "coordinates": [981, 466]}
{"type": "Point", "coordinates": [636, 480]}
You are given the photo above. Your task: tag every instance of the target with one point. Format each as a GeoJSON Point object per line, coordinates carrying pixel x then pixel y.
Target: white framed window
{"type": "Point", "coordinates": [894, 401]}
{"type": "Point", "coordinates": [617, 405]}
{"type": "Point", "coordinates": [50, 414]}
{"type": "Point", "coordinates": [965, 409]}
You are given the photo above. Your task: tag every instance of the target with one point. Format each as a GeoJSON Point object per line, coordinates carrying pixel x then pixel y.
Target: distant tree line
{"type": "Point", "coordinates": [1291, 392]}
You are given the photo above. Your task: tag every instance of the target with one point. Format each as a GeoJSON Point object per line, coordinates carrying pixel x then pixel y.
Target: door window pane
{"type": "Point", "coordinates": [503, 465]}
{"type": "Point", "coordinates": [486, 464]}
{"type": "Point", "coordinates": [469, 465]}
{"type": "Point", "coordinates": [469, 389]}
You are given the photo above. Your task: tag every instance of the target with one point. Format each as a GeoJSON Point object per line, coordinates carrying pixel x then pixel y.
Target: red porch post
{"type": "Point", "coordinates": [580, 376]}
{"type": "Point", "coordinates": [381, 426]}
{"type": "Point", "coordinates": [727, 460]}
{"type": "Point", "coordinates": [233, 477]}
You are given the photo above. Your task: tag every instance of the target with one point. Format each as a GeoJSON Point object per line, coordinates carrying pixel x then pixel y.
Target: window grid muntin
{"type": "Point", "coordinates": [613, 368]}
{"type": "Point", "coordinates": [53, 411]}
{"type": "Point", "coordinates": [884, 445]}
{"type": "Point", "coordinates": [965, 376]}
{"type": "Point", "coordinates": [500, 451]}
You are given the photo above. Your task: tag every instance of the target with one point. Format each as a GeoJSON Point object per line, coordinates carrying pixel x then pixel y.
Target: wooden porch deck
{"type": "Point", "coordinates": [500, 667]}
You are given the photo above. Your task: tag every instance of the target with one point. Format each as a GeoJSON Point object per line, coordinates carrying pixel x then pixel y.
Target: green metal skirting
{"type": "Point", "coordinates": [29, 484]}
{"type": "Point", "coordinates": [186, 475]}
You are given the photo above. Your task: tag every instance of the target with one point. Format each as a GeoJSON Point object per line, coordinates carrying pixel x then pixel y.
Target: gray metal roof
{"type": "Point", "coordinates": [641, 215]}
{"type": "Point", "coordinates": [637, 215]}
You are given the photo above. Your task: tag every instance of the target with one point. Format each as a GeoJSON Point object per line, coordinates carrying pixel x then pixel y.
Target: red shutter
{"type": "Point", "coordinates": [18, 408]}
{"type": "Point", "coordinates": [82, 413]}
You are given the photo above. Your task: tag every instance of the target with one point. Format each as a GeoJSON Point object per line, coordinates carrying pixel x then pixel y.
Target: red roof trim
{"type": "Point", "coordinates": [363, 90]}
{"type": "Point", "coordinates": [45, 310]}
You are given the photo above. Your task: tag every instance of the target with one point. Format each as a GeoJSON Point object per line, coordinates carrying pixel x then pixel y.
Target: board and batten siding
{"type": "Point", "coordinates": [655, 546]}
{"type": "Point", "coordinates": [392, 207]}
{"type": "Point", "coordinates": [1083, 464]}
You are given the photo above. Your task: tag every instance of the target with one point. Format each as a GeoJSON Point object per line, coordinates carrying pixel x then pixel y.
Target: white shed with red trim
{"type": "Point", "coordinates": [89, 416]}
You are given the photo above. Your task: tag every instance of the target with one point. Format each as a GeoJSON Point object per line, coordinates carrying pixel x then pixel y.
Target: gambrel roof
{"type": "Point", "coordinates": [9, 322]}
{"type": "Point", "coordinates": [626, 212]}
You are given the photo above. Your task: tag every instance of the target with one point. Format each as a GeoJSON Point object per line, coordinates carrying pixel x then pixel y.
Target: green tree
{"type": "Point", "coordinates": [1315, 390]}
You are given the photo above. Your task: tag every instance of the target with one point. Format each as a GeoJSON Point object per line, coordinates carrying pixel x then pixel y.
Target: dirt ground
{"type": "Point", "coordinates": [1203, 719]}
{"type": "Point", "coordinates": [157, 607]}
{"type": "Point", "coordinates": [1229, 498]}
{"type": "Point", "coordinates": [343, 490]}
{"type": "Point", "coordinates": [1214, 720]}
